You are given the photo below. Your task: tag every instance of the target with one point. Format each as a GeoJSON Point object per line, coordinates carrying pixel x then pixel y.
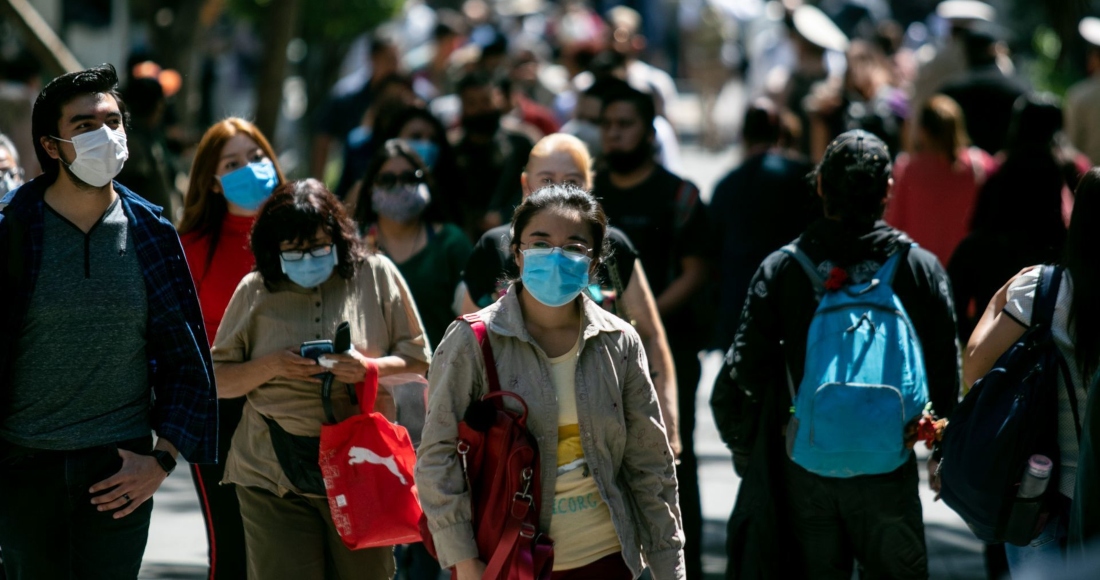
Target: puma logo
{"type": "Point", "coordinates": [359, 455]}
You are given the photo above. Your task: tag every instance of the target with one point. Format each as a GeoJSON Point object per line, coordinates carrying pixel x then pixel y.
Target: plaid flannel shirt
{"type": "Point", "coordinates": [185, 406]}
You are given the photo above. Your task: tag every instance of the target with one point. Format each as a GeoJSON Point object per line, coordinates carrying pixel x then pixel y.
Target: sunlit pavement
{"type": "Point", "coordinates": [177, 541]}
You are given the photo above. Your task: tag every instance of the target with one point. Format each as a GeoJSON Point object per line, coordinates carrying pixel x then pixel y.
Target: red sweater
{"type": "Point", "coordinates": [232, 261]}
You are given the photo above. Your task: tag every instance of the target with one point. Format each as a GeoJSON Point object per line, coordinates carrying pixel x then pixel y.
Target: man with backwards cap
{"type": "Point", "coordinates": [789, 522]}
{"type": "Point", "coordinates": [1082, 107]}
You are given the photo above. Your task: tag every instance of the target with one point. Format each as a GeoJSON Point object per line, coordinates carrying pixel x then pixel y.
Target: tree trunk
{"type": "Point", "coordinates": [42, 41]}
{"type": "Point", "coordinates": [280, 27]}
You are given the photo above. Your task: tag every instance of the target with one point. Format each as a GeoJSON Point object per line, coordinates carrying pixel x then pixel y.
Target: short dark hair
{"type": "Point", "coordinates": [568, 197]}
{"type": "Point", "coordinates": [855, 177]}
{"type": "Point", "coordinates": [58, 93]}
{"type": "Point", "coordinates": [641, 102]}
{"type": "Point", "coordinates": [382, 42]}
{"type": "Point", "coordinates": [476, 80]}
{"type": "Point", "coordinates": [1036, 119]}
{"type": "Point", "coordinates": [143, 96]}
{"type": "Point", "coordinates": [293, 213]}
{"type": "Point", "coordinates": [762, 124]}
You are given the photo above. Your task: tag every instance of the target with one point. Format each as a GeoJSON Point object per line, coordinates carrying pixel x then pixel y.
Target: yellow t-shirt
{"type": "Point", "coordinates": [581, 524]}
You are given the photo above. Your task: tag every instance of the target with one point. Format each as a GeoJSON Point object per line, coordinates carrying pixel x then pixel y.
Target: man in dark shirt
{"type": "Point", "coordinates": [985, 94]}
{"type": "Point", "coordinates": [103, 344]}
{"type": "Point", "coordinates": [489, 156]}
{"type": "Point", "coordinates": [344, 112]}
{"type": "Point", "coordinates": [664, 217]}
{"type": "Point", "coordinates": [756, 209]}
{"type": "Point", "coordinates": [789, 522]}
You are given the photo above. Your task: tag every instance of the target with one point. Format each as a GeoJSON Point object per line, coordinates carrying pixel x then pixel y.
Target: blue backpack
{"type": "Point", "coordinates": [864, 379]}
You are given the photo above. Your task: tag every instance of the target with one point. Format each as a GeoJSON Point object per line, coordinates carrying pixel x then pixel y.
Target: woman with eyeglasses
{"type": "Point", "coordinates": [607, 476]}
{"type": "Point", "coordinates": [429, 254]}
{"type": "Point", "coordinates": [234, 171]}
{"type": "Point", "coordinates": [620, 284]}
{"type": "Point", "coordinates": [312, 273]}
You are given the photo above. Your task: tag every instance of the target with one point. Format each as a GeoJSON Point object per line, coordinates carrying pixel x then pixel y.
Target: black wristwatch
{"type": "Point", "coordinates": [164, 459]}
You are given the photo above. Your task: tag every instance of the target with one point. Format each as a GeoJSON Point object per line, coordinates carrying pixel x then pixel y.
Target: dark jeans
{"type": "Point", "coordinates": [688, 372]}
{"type": "Point", "coordinates": [220, 509]}
{"type": "Point", "coordinates": [49, 528]}
{"type": "Point", "coordinates": [873, 519]}
{"type": "Point", "coordinates": [607, 568]}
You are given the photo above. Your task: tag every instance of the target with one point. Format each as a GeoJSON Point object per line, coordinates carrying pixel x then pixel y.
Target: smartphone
{"type": "Point", "coordinates": [342, 343]}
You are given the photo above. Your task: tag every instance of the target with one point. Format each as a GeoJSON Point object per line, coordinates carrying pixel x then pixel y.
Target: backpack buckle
{"type": "Point", "coordinates": [527, 531]}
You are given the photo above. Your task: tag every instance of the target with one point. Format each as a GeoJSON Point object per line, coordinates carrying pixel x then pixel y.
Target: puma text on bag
{"type": "Point", "coordinates": [864, 378]}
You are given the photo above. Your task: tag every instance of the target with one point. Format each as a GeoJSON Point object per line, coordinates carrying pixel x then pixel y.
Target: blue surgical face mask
{"type": "Point", "coordinates": [310, 271]}
{"type": "Point", "coordinates": [427, 150]}
{"type": "Point", "coordinates": [250, 185]}
{"type": "Point", "coordinates": [552, 277]}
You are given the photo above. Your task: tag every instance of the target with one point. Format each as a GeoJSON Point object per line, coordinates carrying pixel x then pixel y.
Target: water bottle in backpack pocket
{"type": "Point", "coordinates": [864, 378]}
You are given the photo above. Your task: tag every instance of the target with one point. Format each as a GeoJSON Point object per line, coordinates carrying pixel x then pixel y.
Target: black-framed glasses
{"type": "Point", "coordinates": [316, 252]}
{"type": "Point", "coordinates": [573, 249]}
{"type": "Point", "coordinates": [405, 178]}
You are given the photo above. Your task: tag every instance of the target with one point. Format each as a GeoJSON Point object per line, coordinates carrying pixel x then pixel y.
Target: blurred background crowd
{"type": "Point", "coordinates": [995, 103]}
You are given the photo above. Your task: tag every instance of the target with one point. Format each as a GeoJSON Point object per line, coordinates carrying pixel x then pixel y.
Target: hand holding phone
{"type": "Point", "coordinates": [314, 349]}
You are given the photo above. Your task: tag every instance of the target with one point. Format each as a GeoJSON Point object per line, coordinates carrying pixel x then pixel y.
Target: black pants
{"type": "Point", "coordinates": [48, 526]}
{"type": "Point", "coordinates": [220, 509]}
{"type": "Point", "coordinates": [873, 519]}
{"type": "Point", "coordinates": [688, 373]}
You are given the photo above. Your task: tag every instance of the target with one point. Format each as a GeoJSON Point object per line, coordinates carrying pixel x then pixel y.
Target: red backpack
{"type": "Point", "coordinates": [500, 459]}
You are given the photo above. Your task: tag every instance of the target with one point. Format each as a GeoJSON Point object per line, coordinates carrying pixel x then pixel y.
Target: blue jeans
{"type": "Point", "coordinates": [1046, 553]}
{"type": "Point", "coordinates": [48, 525]}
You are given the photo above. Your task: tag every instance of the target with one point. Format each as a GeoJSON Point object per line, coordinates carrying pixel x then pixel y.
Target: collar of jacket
{"type": "Point", "coordinates": [28, 199]}
{"type": "Point", "coordinates": [506, 318]}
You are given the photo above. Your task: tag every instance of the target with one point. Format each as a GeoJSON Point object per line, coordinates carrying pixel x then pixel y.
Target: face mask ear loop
{"type": "Point", "coordinates": [335, 256]}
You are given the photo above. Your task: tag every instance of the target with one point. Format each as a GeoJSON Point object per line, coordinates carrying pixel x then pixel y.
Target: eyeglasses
{"type": "Point", "coordinates": [389, 180]}
{"type": "Point", "coordinates": [573, 250]}
{"type": "Point", "coordinates": [316, 252]}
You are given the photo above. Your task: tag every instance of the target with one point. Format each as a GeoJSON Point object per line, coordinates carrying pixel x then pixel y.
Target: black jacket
{"type": "Point", "coordinates": [751, 396]}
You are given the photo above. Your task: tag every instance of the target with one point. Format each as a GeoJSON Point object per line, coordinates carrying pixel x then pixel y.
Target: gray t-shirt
{"type": "Point", "coordinates": [80, 372]}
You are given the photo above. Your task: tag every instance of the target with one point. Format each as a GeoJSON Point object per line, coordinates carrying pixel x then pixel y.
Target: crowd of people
{"type": "Point", "coordinates": [547, 201]}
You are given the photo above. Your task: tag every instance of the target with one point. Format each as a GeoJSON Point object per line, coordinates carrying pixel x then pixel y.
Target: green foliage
{"type": "Point", "coordinates": [1045, 72]}
{"type": "Point", "coordinates": [335, 21]}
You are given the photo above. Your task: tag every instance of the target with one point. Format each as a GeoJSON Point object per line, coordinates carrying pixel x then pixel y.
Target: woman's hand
{"type": "Point", "coordinates": [349, 367]}
{"type": "Point", "coordinates": [288, 364]}
{"type": "Point", "coordinates": [472, 569]}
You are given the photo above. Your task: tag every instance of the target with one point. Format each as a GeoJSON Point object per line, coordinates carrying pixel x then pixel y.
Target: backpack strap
{"type": "Point", "coordinates": [1042, 315]}
{"type": "Point", "coordinates": [808, 266]}
{"type": "Point", "coordinates": [889, 269]}
{"type": "Point", "coordinates": [482, 334]}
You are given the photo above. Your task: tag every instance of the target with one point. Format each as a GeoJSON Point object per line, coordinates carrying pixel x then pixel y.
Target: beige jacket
{"type": "Point", "coordinates": [622, 432]}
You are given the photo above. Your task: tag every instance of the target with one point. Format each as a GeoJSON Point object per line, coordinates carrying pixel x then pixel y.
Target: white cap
{"type": "Point", "coordinates": [1090, 29]}
{"type": "Point", "coordinates": [520, 7]}
{"type": "Point", "coordinates": [816, 27]}
{"type": "Point", "coordinates": [966, 10]}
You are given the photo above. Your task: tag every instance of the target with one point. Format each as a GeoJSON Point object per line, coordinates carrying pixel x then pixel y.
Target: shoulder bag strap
{"type": "Point", "coordinates": [516, 531]}
{"type": "Point", "coordinates": [482, 334]}
{"type": "Point", "coordinates": [1042, 314]}
{"type": "Point", "coordinates": [808, 266]}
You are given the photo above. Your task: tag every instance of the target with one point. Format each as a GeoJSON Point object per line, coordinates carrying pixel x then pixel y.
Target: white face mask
{"type": "Point", "coordinates": [100, 155]}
